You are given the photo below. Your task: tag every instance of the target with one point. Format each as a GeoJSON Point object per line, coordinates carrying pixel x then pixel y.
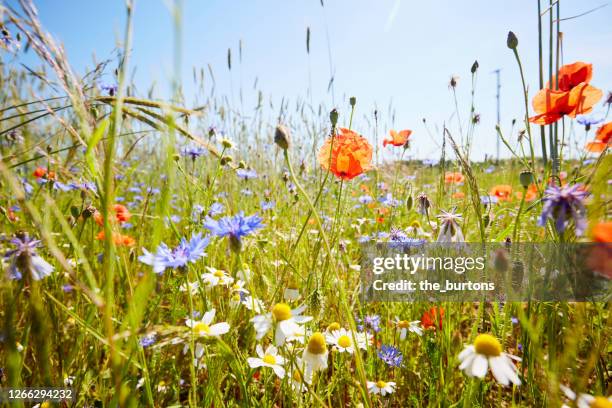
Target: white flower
{"type": "Point", "coordinates": [193, 287]}
{"type": "Point", "coordinates": [586, 400]}
{"type": "Point", "coordinates": [342, 340]}
{"type": "Point", "coordinates": [381, 387]}
{"type": "Point", "coordinates": [216, 277]}
{"type": "Point", "coordinates": [299, 377]}
{"type": "Point", "coordinates": [315, 354]}
{"type": "Point", "coordinates": [288, 323]}
{"type": "Point", "coordinates": [198, 362]}
{"type": "Point", "coordinates": [404, 326]}
{"type": "Point", "coordinates": [450, 231]}
{"type": "Point", "coordinates": [487, 351]}
{"type": "Point", "coordinates": [69, 380]}
{"type": "Point", "coordinates": [291, 294]}
{"type": "Point", "coordinates": [252, 303]}
{"type": "Point", "coordinates": [204, 328]}
{"type": "Point", "coordinates": [268, 358]}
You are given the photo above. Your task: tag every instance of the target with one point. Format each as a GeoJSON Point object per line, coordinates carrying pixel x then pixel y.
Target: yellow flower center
{"type": "Point", "coordinates": [487, 345]}
{"type": "Point", "coordinates": [415, 224]}
{"type": "Point", "coordinates": [297, 376]}
{"type": "Point", "coordinates": [281, 311]}
{"type": "Point", "coordinates": [381, 384]}
{"type": "Point", "coordinates": [201, 327]}
{"type": "Point", "coordinates": [218, 274]}
{"type": "Point", "coordinates": [344, 341]}
{"type": "Point", "coordinates": [316, 344]}
{"type": "Point", "coordinates": [236, 298]}
{"type": "Point", "coordinates": [601, 402]}
{"type": "Point", "coordinates": [269, 359]}
{"type": "Point", "coordinates": [403, 324]}
{"type": "Point", "coordinates": [333, 326]}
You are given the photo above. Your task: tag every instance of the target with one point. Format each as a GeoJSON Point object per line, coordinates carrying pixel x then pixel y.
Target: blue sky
{"type": "Point", "coordinates": [387, 51]}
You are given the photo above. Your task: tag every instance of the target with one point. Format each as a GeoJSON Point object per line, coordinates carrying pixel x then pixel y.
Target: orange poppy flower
{"type": "Point", "coordinates": [122, 214]}
{"type": "Point", "coordinates": [572, 75]}
{"type": "Point", "coordinates": [39, 172]}
{"type": "Point", "coordinates": [347, 155]}
{"type": "Point", "coordinates": [530, 194]}
{"type": "Point", "coordinates": [502, 191]}
{"type": "Point", "coordinates": [432, 318]}
{"type": "Point", "coordinates": [455, 178]}
{"type": "Point", "coordinates": [602, 232]}
{"type": "Point", "coordinates": [596, 146]}
{"type": "Point", "coordinates": [398, 138]}
{"type": "Point", "coordinates": [118, 239]}
{"type": "Point", "coordinates": [604, 133]}
{"type": "Point", "coordinates": [458, 195]}
{"type": "Point", "coordinates": [551, 105]}
{"type": "Point", "coordinates": [364, 188]}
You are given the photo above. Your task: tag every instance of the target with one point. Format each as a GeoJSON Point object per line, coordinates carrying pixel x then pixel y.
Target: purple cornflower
{"type": "Point", "coordinates": [193, 151]}
{"type": "Point", "coordinates": [389, 200]}
{"type": "Point", "coordinates": [25, 260]}
{"type": "Point", "coordinates": [589, 120]}
{"type": "Point", "coordinates": [148, 340]}
{"type": "Point", "coordinates": [109, 88]}
{"type": "Point", "coordinates": [560, 203]}
{"type": "Point", "coordinates": [186, 251]}
{"type": "Point", "coordinates": [399, 240]}
{"type": "Point", "coordinates": [365, 199]}
{"type": "Point", "coordinates": [370, 322]}
{"type": "Point", "coordinates": [235, 227]}
{"type": "Point", "coordinates": [215, 209]}
{"type": "Point", "coordinates": [267, 205]}
{"type": "Point", "coordinates": [246, 174]}
{"type": "Point", "coordinates": [390, 355]}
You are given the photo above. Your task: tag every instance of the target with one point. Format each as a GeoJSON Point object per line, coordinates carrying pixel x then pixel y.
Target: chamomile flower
{"type": "Point", "coordinates": [315, 353]}
{"type": "Point", "coordinates": [268, 358]}
{"type": "Point", "coordinates": [487, 351]}
{"type": "Point", "coordinates": [291, 293]}
{"type": "Point", "coordinates": [586, 400]}
{"type": "Point", "coordinates": [381, 387]}
{"type": "Point", "coordinates": [404, 326]}
{"type": "Point", "coordinates": [288, 323]}
{"type": "Point", "coordinates": [216, 277]}
{"type": "Point", "coordinates": [204, 328]}
{"type": "Point", "coordinates": [299, 377]}
{"type": "Point", "coordinates": [192, 287]}
{"type": "Point", "coordinates": [342, 341]}
{"type": "Point", "coordinates": [198, 362]}
{"type": "Point", "coordinates": [252, 303]}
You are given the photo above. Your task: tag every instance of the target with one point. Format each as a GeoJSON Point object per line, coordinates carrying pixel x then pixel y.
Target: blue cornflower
{"type": "Point", "coordinates": [193, 151]}
{"type": "Point", "coordinates": [365, 199]}
{"type": "Point", "coordinates": [390, 355]}
{"type": "Point", "coordinates": [186, 251]}
{"type": "Point", "coordinates": [235, 227]}
{"type": "Point", "coordinates": [490, 169]}
{"type": "Point", "coordinates": [589, 120]}
{"type": "Point", "coordinates": [108, 88]}
{"type": "Point", "coordinates": [25, 260]}
{"type": "Point", "coordinates": [389, 200]}
{"type": "Point", "coordinates": [216, 209]}
{"type": "Point", "coordinates": [563, 202]}
{"type": "Point", "coordinates": [400, 240]}
{"type": "Point", "coordinates": [488, 200]}
{"type": "Point", "coordinates": [148, 340]}
{"type": "Point", "coordinates": [267, 205]}
{"type": "Point", "coordinates": [246, 174]}
{"type": "Point", "coordinates": [370, 322]}
{"type": "Point", "coordinates": [431, 162]}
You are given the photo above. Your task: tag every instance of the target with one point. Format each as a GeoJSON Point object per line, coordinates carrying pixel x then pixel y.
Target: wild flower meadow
{"type": "Point", "coordinates": [156, 254]}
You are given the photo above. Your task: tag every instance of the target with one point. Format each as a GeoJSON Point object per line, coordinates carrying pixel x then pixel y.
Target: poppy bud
{"type": "Point", "coordinates": [512, 41]}
{"type": "Point", "coordinates": [333, 117]}
{"type": "Point", "coordinates": [281, 137]}
{"type": "Point", "coordinates": [409, 203]}
{"type": "Point", "coordinates": [526, 178]}
{"type": "Point", "coordinates": [352, 100]}
{"type": "Point", "coordinates": [474, 67]}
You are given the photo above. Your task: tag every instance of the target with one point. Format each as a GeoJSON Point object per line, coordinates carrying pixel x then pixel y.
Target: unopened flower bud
{"type": "Point", "coordinates": [474, 67]}
{"type": "Point", "coordinates": [352, 100]}
{"type": "Point", "coordinates": [333, 117]}
{"type": "Point", "coordinates": [281, 137]}
{"type": "Point", "coordinates": [526, 178]}
{"type": "Point", "coordinates": [512, 41]}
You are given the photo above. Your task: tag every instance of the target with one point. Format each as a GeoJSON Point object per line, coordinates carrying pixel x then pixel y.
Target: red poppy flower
{"type": "Point", "coordinates": [347, 155]}
{"type": "Point", "coordinates": [530, 194]}
{"type": "Point", "coordinates": [432, 318]}
{"type": "Point", "coordinates": [604, 133]}
{"type": "Point", "coordinates": [502, 191]}
{"type": "Point", "coordinates": [118, 239]}
{"type": "Point", "coordinates": [602, 232]}
{"type": "Point", "coordinates": [122, 214]}
{"type": "Point", "coordinates": [398, 138]}
{"type": "Point", "coordinates": [39, 172]}
{"type": "Point", "coordinates": [454, 178]}
{"type": "Point", "coordinates": [551, 105]}
{"type": "Point", "coordinates": [572, 75]}
{"type": "Point", "coordinates": [458, 195]}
